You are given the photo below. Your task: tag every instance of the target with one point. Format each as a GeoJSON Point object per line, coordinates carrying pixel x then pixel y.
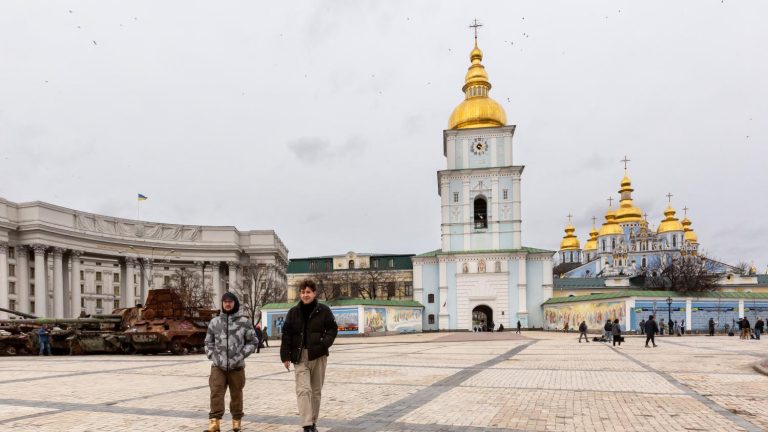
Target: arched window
{"type": "Point", "coordinates": [613, 243]}
{"type": "Point", "coordinates": [602, 246]}
{"type": "Point", "coordinates": [431, 319]}
{"type": "Point", "coordinates": [351, 264]}
{"type": "Point", "coordinates": [571, 256]}
{"type": "Point", "coordinates": [431, 298]}
{"type": "Point", "coordinates": [481, 213]}
{"type": "Point", "coordinates": [644, 263]}
{"type": "Point", "coordinates": [674, 241]}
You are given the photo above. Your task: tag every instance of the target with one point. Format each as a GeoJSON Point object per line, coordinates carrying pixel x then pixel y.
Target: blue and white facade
{"type": "Point", "coordinates": [482, 263]}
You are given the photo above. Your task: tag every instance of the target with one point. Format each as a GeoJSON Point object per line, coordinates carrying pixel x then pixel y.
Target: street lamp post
{"type": "Point", "coordinates": [669, 309]}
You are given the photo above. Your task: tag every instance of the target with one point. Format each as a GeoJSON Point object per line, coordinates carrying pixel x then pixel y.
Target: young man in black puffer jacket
{"type": "Point", "coordinates": [309, 330]}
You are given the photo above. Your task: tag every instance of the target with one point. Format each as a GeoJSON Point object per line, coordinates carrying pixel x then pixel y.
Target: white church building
{"type": "Point", "coordinates": [482, 273]}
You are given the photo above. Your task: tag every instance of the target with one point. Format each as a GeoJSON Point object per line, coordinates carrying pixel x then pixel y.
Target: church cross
{"type": "Point", "coordinates": [645, 216]}
{"type": "Point", "coordinates": [625, 160]}
{"type": "Point", "coordinates": [669, 197]}
{"type": "Point", "coordinates": [475, 25]}
{"type": "Point", "coordinates": [610, 201]}
{"type": "Point", "coordinates": [569, 217]}
{"type": "Point", "coordinates": [594, 220]}
{"type": "Point", "coordinates": [685, 209]}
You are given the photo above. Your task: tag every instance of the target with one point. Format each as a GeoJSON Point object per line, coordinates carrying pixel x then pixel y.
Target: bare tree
{"type": "Point", "coordinates": [261, 284]}
{"type": "Point", "coordinates": [379, 283]}
{"type": "Point", "coordinates": [188, 285]}
{"type": "Point", "coordinates": [684, 273]}
{"type": "Point", "coordinates": [327, 285]}
{"type": "Point", "coordinates": [743, 267]}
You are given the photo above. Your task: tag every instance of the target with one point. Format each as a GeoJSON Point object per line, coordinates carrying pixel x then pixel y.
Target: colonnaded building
{"type": "Point", "coordinates": [58, 262]}
{"type": "Point", "coordinates": [481, 272]}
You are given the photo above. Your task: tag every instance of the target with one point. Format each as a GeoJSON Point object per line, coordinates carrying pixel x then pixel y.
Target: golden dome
{"type": "Point", "coordinates": [627, 212]}
{"type": "Point", "coordinates": [670, 222]}
{"type": "Point", "coordinates": [591, 244]}
{"type": "Point", "coordinates": [610, 227]}
{"type": "Point", "coordinates": [570, 241]}
{"type": "Point", "coordinates": [477, 110]}
{"type": "Point", "coordinates": [690, 236]}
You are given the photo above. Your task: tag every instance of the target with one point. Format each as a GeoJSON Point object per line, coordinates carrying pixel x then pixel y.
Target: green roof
{"type": "Point", "coordinates": [524, 249]}
{"type": "Point", "coordinates": [647, 293]}
{"type": "Point", "coordinates": [565, 283]}
{"type": "Point", "coordinates": [351, 302]}
{"type": "Point", "coordinates": [762, 279]}
{"type": "Point", "coordinates": [325, 263]}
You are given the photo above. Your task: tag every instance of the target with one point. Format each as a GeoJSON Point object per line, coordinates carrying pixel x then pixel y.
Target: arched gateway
{"type": "Point", "coordinates": [482, 318]}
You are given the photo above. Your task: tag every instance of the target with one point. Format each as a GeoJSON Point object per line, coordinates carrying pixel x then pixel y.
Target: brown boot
{"type": "Point", "coordinates": [236, 425]}
{"type": "Point", "coordinates": [214, 425]}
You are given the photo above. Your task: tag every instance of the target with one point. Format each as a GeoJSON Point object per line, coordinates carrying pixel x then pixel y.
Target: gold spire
{"type": "Point", "coordinates": [477, 110]}
{"type": "Point", "coordinates": [591, 244]}
{"type": "Point", "coordinates": [670, 222]}
{"type": "Point", "coordinates": [570, 241]}
{"type": "Point", "coordinates": [610, 227]}
{"type": "Point", "coordinates": [627, 212]}
{"type": "Point", "coordinates": [689, 236]}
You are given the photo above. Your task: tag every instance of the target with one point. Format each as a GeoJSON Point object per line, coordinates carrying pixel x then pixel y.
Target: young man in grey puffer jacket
{"type": "Point", "coordinates": [230, 339]}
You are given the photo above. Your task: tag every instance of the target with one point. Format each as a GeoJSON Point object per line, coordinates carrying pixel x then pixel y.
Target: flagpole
{"type": "Point", "coordinates": [138, 203]}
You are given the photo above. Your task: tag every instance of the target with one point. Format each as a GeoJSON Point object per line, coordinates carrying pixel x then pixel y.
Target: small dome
{"type": "Point", "coordinates": [689, 236]}
{"type": "Point", "coordinates": [610, 227]}
{"type": "Point", "coordinates": [591, 244]}
{"type": "Point", "coordinates": [627, 212]}
{"type": "Point", "coordinates": [477, 110]}
{"type": "Point", "coordinates": [570, 241]}
{"type": "Point", "coordinates": [670, 222]}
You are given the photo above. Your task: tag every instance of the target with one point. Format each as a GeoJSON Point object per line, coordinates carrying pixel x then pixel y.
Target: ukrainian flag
{"type": "Point", "coordinates": [142, 197]}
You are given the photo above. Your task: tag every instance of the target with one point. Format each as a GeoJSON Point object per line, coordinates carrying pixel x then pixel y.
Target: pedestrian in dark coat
{"type": "Point", "coordinates": [650, 331]}
{"type": "Point", "coordinates": [308, 332]}
{"type": "Point", "coordinates": [616, 331]}
{"type": "Point", "coordinates": [259, 338]}
{"type": "Point", "coordinates": [711, 326]}
{"type": "Point", "coordinates": [642, 326]}
{"type": "Point", "coordinates": [519, 326]}
{"type": "Point", "coordinates": [583, 331]}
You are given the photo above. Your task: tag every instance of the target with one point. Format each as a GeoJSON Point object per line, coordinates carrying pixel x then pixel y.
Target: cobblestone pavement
{"type": "Point", "coordinates": [431, 382]}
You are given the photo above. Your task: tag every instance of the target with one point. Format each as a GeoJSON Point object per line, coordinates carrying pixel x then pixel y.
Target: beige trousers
{"type": "Point", "coordinates": [309, 386]}
{"type": "Point", "coordinates": [218, 381]}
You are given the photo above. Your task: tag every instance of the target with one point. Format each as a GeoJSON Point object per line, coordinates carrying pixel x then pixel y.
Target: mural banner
{"type": "Point", "coordinates": [595, 314]}
{"type": "Point", "coordinates": [404, 320]}
{"type": "Point", "coordinates": [347, 320]}
{"type": "Point", "coordinates": [375, 319]}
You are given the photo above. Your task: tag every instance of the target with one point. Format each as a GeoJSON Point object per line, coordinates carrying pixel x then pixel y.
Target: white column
{"type": "Point", "coordinates": [41, 293]}
{"type": "Point", "coordinates": [129, 288]}
{"type": "Point", "coordinates": [741, 309]}
{"type": "Point", "coordinates": [216, 289]}
{"type": "Point", "coordinates": [75, 284]}
{"type": "Point", "coordinates": [22, 278]}
{"type": "Point", "coordinates": [58, 283]}
{"type": "Point", "coordinates": [4, 279]}
{"type": "Point", "coordinates": [688, 324]}
{"type": "Point", "coordinates": [522, 287]}
{"type": "Point", "coordinates": [517, 242]}
{"type": "Point", "coordinates": [232, 275]}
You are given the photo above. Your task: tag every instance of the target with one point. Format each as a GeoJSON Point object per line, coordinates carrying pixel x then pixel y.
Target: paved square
{"type": "Point", "coordinates": [425, 382]}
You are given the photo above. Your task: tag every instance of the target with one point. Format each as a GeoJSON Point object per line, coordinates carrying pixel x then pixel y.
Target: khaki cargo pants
{"type": "Point", "coordinates": [219, 380]}
{"type": "Point", "coordinates": [309, 386]}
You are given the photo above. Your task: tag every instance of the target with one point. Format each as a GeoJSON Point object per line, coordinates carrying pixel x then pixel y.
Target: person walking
{"type": "Point", "coordinates": [229, 341]}
{"type": "Point", "coordinates": [259, 338]}
{"type": "Point", "coordinates": [650, 331]}
{"type": "Point", "coordinates": [309, 330]}
{"type": "Point", "coordinates": [642, 326]}
{"type": "Point", "coordinates": [745, 328]}
{"type": "Point", "coordinates": [616, 331]}
{"type": "Point", "coordinates": [661, 327]}
{"type": "Point", "coordinates": [44, 340]}
{"type": "Point", "coordinates": [607, 334]}
{"type": "Point", "coordinates": [519, 326]}
{"type": "Point", "coordinates": [682, 327]}
{"type": "Point", "coordinates": [759, 325]}
{"type": "Point", "coordinates": [266, 336]}
{"type": "Point", "coordinates": [678, 330]}
{"type": "Point", "coordinates": [583, 331]}
{"type": "Point", "coordinates": [711, 326]}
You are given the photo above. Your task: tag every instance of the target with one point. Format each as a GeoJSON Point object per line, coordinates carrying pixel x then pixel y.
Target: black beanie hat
{"type": "Point", "coordinates": [230, 296]}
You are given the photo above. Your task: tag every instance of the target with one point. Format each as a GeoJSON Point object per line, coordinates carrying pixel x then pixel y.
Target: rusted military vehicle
{"type": "Point", "coordinates": [166, 323]}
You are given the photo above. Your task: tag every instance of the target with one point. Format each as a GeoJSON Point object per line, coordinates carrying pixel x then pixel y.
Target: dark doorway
{"type": "Point", "coordinates": [482, 318]}
{"type": "Point", "coordinates": [481, 213]}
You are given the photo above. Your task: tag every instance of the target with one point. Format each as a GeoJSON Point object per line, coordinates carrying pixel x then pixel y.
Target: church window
{"type": "Point", "coordinates": [613, 243]}
{"type": "Point", "coordinates": [505, 193]}
{"type": "Point", "coordinates": [455, 197]}
{"type": "Point", "coordinates": [351, 264]}
{"type": "Point", "coordinates": [431, 298]}
{"type": "Point", "coordinates": [602, 246]}
{"type": "Point", "coordinates": [481, 213]}
{"type": "Point", "coordinates": [570, 256]}
{"type": "Point", "coordinates": [674, 241]}
{"type": "Point", "coordinates": [431, 319]}
{"type": "Point", "coordinates": [643, 262]}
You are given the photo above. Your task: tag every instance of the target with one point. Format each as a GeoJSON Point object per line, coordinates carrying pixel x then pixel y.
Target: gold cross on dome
{"type": "Point", "coordinates": [645, 216]}
{"type": "Point", "coordinates": [685, 210]}
{"type": "Point", "coordinates": [594, 220]}
{"type": "Point", "coordinates": [669, 197]}
{"type": "Point", "coordinates": [475, 25]}
{"type": "Point", "coordinates": [569, 217]}
{"type": "Point", "coordinates": [625, 160]}
{"type": "Point", "coordinates": [610, 201]}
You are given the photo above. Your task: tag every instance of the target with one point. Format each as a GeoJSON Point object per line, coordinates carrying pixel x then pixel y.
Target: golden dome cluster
{"type": "Point", "coordinates": [477, 110]}
{"type": "Point", "coordinates": [570, 241]}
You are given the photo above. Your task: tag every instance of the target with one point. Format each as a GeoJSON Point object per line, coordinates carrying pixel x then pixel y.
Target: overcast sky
{"type": "Point", "coordinates": [324, 120]}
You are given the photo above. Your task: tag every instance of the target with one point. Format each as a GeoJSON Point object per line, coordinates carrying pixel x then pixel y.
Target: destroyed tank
{"type": "Point", "coordinates": [165, 324]}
